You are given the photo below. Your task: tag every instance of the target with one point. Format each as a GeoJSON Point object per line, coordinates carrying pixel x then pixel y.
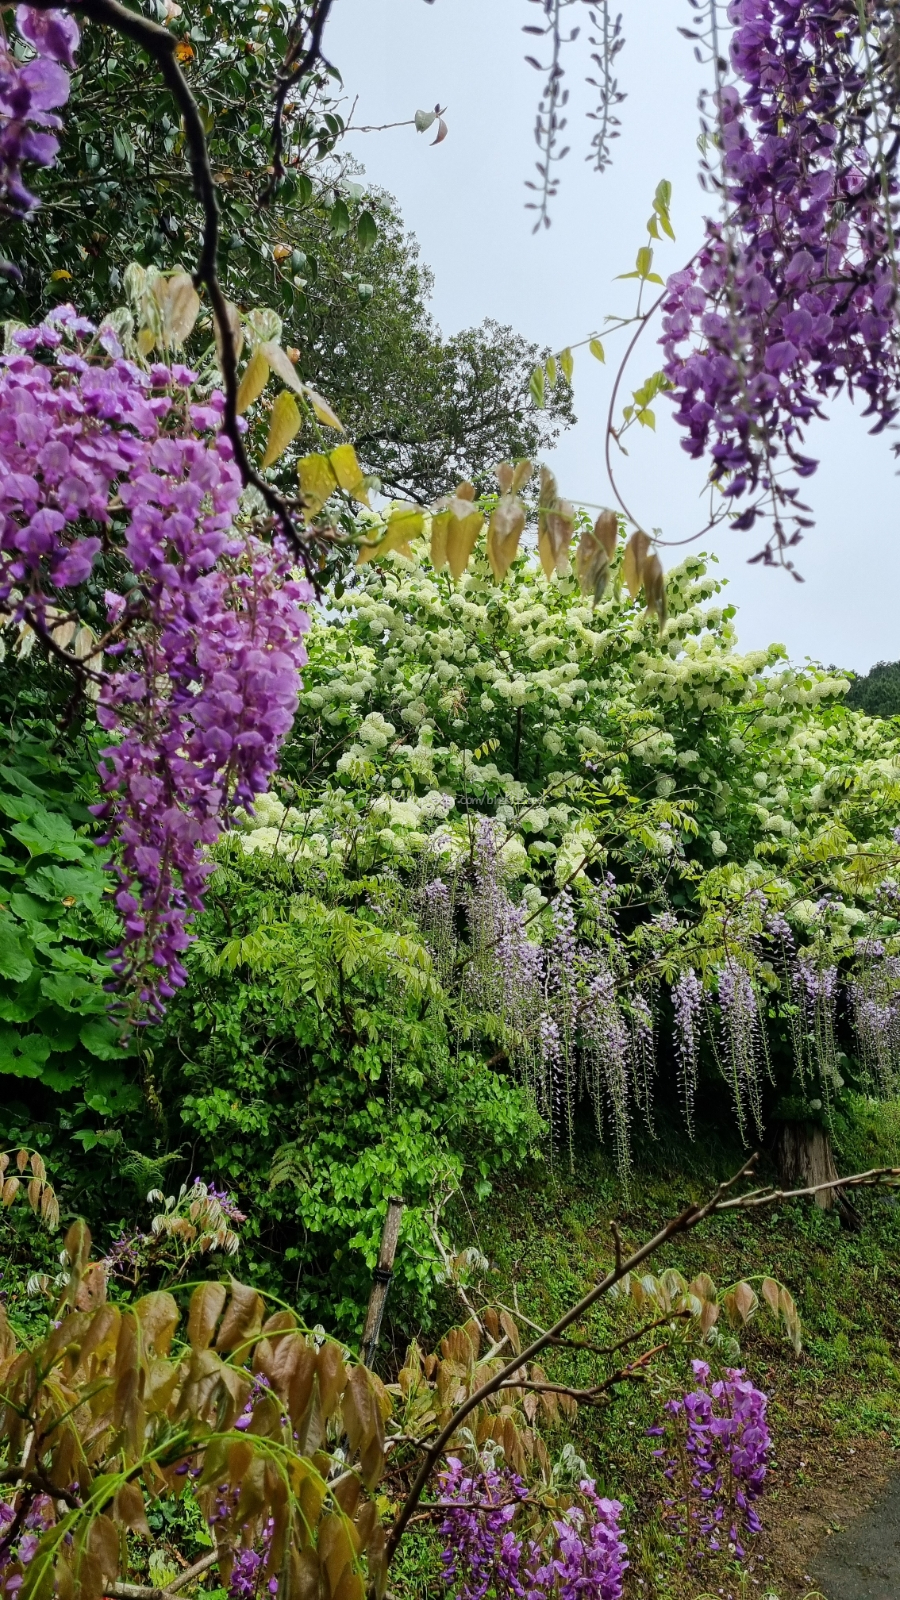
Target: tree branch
{"type": "Point", "coordinates": [160, 45]}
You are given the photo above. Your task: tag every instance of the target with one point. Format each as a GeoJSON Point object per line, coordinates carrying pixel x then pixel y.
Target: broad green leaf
{"type": "Point", "coordinates": [597, 350]}
{"type": "Point", "coordinates": [284, 426]}
{"type": "Point", "coordinates": [423, 120]}
{"type": "Point", "coordinates": [340, 218]}
{"type": "Point", "coordinates": [366, 229]}
{"type": "Point", "coordinates": [536, 386]}
{"type": "Point", "coordinates": [15, 953]}
{"type": "Point", "coordinates": [567, 363]}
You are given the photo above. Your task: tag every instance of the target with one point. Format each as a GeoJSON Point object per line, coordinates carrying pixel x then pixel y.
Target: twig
{"type": "Point", "coordinates": [295, 67]}
{"type": "Point", "coordinates": [143, 1591]}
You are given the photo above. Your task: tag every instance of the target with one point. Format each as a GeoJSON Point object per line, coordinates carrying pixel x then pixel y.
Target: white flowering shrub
{"type": "Point", "coordinates": [670, 793]}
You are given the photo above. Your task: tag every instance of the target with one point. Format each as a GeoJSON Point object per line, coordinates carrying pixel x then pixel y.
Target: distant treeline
{"type": "Point", "coordinates": [878, 691]}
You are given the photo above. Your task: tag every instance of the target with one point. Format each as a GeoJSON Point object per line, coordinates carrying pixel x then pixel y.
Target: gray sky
{"type": "Point", "coordinates": [465, 202]}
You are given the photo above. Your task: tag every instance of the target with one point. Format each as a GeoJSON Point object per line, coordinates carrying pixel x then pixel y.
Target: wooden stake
{"type": "Point", "coordinates": [381, 1279]}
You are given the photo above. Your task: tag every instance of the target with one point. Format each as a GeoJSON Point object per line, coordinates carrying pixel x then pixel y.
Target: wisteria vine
{"type": "Point", "coordinates": [111, 472]}
{"type": "Point", "coordinates": [793, 296]}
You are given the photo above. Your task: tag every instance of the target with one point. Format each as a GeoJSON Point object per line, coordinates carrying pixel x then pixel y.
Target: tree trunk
{"type": "Point", "coordinates": [805, 1158]}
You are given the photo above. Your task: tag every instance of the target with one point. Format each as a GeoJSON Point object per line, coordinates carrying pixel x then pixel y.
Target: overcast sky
{"type": "Point", "coordinates": [465, 202]}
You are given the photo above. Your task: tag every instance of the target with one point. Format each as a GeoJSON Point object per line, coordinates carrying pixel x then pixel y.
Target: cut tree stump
{"type": "Point", "coordinates": [804, 1156]}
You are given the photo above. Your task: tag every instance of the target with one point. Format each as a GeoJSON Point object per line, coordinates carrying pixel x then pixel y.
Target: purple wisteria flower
{"type": "Point", "coordinates": [687, 1009]}
{"type": "Point", "coordinates": [200, 675]}
{"type": "Point", "coordinates": [582, 1554]}
{"type": "Point", "coordinates": [718, 1469]}
{"type": "Point", "coordinates": [31, 93]}
{"type": "Point", "coordinates": [793, 296]}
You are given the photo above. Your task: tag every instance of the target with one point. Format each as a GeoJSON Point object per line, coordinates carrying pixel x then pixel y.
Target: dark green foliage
{"type": "Point", "coordinates": [877, 692]}
{"type": "Point", "coordinates": [309, 1070]}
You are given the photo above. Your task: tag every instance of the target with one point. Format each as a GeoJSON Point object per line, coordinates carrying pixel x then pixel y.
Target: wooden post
{"type": "Point", "coordinates": [381, 1279]}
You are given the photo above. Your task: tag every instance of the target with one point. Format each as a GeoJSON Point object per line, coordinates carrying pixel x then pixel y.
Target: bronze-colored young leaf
{"type": "Point", "coordinates": [158, 1317]}
{"type": "Point", "coordinates": [771, 1293]}
{"type": "Point", "coordinates": [207, 1302]}
{"type": "Point", "coordinates": [655, 588]}
{"type": "Point", "coordinates": [504, 532]}
{"type": "Point", "coordinates": [179, 306]}
{"type": "Point", "coordinates": [596, 549]}
{"type": "Point", "coordinates": [363, 1424]}
{"type": "Point", "coordinates": [129, 1508]}
{"type": "Point", "coordinates": [636, 551]}
{"type": "Point", "coordinates": [243, 1318]}
{"type": "Point", "coordinates": [332, 1375]}
{"type": "Point", "coordinates": [284, 426]}
{"type": "Point", "coordinates": [254, 378]}
{"type": "Point", "coordinates": [555, 529]}
{"type": "Point", "coordinates": [233, 320]}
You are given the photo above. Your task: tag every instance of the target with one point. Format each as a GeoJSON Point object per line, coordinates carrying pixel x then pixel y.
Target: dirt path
{"type": "Point", "coordinates": [818, 1502]}
{"type": "Point", "coordinates": [862, 1562]}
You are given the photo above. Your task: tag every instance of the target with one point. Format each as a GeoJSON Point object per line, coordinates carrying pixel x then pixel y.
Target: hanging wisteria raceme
{"type": "Point", "coordinates": [742, 1042]}
{"type": "Point", "coordinates": [110, 470]}
{"type": "Point", "coordinates": [581, 1554]}
{"type": "Point", "coordinates": [875, 1003]}
{"type": "Point", "coordinates": [31, 92]}
{"type": "Point", "coordinates": [687, 1010]}
{"type": "Point", "coordinates": [606, 1052]}
{"type": "Point", "coordinates": [794, 295]}
{"type": "Point", "coordinates": [717, 1469]}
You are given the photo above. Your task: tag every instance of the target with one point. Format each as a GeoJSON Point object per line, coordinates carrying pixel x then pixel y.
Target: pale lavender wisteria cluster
{"type": "Point", "coordinates": [716, 1459]}
{"type": "Point", "coordinates": [581, 1553]}
{"type": "Point", "coordinates": [742, 1042]}
{"type": "Point", "coordinates": [793, 296]}
{"type": "Point", "coordinates": [31, 93]}
{"type": "Point", "coordinates": [112, 470]}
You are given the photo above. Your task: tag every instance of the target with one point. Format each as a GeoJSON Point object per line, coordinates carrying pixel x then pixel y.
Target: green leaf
{"type": "Point", "coordinates": [597, 350]}
{"type": "Point", "coordinates": [536, 386]}
{"type": "Point", "coordinates": [15, 962]}
{"type": "Point", "coordinates": [102, 1039]}
{"type": "Point", "coordinates": [366, 229]}
{"type": "Point", "coordinates": [340, 218]}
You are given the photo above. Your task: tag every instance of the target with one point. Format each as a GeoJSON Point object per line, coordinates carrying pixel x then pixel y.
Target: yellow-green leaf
{"type": "Point", "coordinates": [404, 523]}
{"type": "Point", "coordinates": [253, 380]}
{"type": "Point", "coordinates": [317, 482]}
{"type": "Point", "coordinates": [536, 386]}
{"type": "Point", "coordinates": [567, 363]}
{"type": "Point", "coordinates": [284, 425]}
{"type": "Point", "coordinates": [323, 410]}
{"type": "Point", "coordinates": [597, 349]}
{"type": "Point", "coordinates": [348, 472]}
{"type": "Point", "coordinates": [281, 364]}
